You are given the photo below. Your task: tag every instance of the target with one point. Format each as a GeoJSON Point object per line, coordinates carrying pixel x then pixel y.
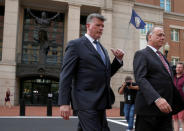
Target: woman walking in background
{"type": "Point", "coordinates": [7, 98]}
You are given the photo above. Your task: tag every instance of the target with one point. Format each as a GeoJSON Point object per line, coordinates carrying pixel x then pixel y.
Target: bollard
{"type": "Point", "coordinates": [121, 108]}
{"type": "Point", "coordinates": [49, 107]}
{"type": "Point", "coordinates": [22, 107]}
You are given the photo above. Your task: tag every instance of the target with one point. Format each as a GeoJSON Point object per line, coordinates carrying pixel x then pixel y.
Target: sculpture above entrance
{"type": "Point", "coordinates": [43, 36]}
{"type": "Point", "coordinates": [44, 21]}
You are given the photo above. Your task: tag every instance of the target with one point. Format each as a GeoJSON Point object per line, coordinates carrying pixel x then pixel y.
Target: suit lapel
{"type": "Point", "coordinates": [91, 48]}
{"type": "Point", "coordinates": [154, 55]}
{"type": "Point", "coordinates": [158, 59]}
{"type": "Point", "coordinates": [172, 75]}
{"type": "Point", "coordinates": [168, 66]}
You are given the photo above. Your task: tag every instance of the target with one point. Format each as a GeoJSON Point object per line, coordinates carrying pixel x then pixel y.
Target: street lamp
{"type": "Point", "coordinates": [166, 48]}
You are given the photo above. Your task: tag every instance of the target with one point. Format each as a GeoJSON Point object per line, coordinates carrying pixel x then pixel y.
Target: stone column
{"type": "Point", "coordinates": [116, 35]}
{"type": "Point", "coordinates": [73, 22]}
{"type": "Point", "coordinates": [106, 38]}
{"type": "Point", "coordinates": [8, 63]}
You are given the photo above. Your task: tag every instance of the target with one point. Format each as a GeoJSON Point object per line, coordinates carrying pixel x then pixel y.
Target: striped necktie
{"type": "Point", "coordinates": [163, 61]}
{"type": "Point", "coordinates": [99, 50]}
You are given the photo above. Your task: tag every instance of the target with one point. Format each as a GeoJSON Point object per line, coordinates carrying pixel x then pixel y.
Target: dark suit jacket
{"type": "Point", "coordinates": [154, 81]}
{"type": "Point", "coordinates": [89, 76]}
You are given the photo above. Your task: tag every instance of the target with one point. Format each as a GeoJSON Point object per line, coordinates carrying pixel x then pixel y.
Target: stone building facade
{"type": "Point", "coordinates": [20, 66]}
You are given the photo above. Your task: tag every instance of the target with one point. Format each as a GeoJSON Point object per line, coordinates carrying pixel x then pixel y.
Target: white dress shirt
{"type": "Point", "coordinates": [94, 45]}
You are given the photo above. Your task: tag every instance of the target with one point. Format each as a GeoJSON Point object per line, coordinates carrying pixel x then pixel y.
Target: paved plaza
{"type": "Point", "coordinates": [51, 124]}
{"type": "Point", "coordinates": [35, 119]}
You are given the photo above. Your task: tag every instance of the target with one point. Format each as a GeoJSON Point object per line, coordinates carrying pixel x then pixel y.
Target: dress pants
{"type": "Point", "coordinates": [79, 128]}
{"type": "Point", "coordinates": [153, 123]}
{"type": "Point", "coordinates": [93, 120]}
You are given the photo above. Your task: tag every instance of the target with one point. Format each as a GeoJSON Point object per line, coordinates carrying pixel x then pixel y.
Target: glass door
{"type": "Point", "coordinates": [35, 91]}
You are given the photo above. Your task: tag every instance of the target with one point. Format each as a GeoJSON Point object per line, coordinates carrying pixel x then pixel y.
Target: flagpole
{"type": "Point", "coordinates": [127, 33]}
{"type": "Point", "coordinates": [128, 29]}
{"type": "Point", "coordinates": [133, 20]}
{"type": "Point", "coordinates": [136, 21]}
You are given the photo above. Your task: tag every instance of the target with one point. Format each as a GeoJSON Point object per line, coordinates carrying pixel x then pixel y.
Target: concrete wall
{"type": "Point", "coordinates": [8, 63]}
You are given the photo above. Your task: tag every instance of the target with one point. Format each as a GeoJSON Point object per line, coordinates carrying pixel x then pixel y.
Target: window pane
{"type": "Point", "coordinates": [167, 1]}
{"type": "Point", "coordinates": [175, 34]}
{"type": "Point", "coordinates": [146, 29]}
{"type": "Point", "coordinates": [168, 9]}
{"type": "Point", "coordinates": [174, 60]}
{"type": "Point", "coordinates": [162, 3]}
{"type": "Point", "coordinates": [172, 35]}
{"type": "Point", "coordinates": [166, 5]}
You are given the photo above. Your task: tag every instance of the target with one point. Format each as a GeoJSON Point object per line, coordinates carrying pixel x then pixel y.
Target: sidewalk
{"type": "Point", "coordinates": [42, 111]}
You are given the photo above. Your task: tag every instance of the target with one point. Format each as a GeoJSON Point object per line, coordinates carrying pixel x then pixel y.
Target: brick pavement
{"type": "Point", "coordinates": [42, 111]}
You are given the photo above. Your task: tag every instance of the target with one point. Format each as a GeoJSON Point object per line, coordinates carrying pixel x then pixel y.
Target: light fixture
{"type": "Point", "coordinates": [166, 48]}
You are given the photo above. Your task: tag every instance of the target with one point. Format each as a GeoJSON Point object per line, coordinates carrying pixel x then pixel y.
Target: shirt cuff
{"type": "Point", "coordinates": [157, 99]}
{"type": "Point", "coordinates": [120, 61]}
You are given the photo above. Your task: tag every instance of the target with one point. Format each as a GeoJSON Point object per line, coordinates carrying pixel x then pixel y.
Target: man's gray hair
{"type": "Point", "coordinates": [95, 15]}
{"type": "Point", "coordinates": [150, 32]}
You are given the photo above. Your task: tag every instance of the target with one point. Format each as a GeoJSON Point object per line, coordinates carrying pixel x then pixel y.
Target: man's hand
{"type": "Point", "coordinates": [124, 84]}
{"type": "Point", "coordinates": [65, 111]}
{"type": "Point", "coordinates": [118, 53]}
{"type": "Point", "coordinates": [162, 104]}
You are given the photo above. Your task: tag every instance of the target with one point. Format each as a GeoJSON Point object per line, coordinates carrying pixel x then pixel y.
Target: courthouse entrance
{"type": "Point", "coordinates": [35, 91]}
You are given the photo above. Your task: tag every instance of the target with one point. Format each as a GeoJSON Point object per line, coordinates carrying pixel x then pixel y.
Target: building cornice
{"type": "Point", "coordinates": [129, 1]}
{"type": "Point", "coordinates": [125, 0]}
{"type": "Point", "coordinates": [174, 16]}
{"type": "Point", "coordinates": [7, 63]}
{"type": "Point", "coordinates": [176, 27]}
{"type": "Point", "coordinates": [150, 13]}
{"type": "Point", "coordinates": [148, 6]}
{"type": "Point", "coordinates": [74, 4]}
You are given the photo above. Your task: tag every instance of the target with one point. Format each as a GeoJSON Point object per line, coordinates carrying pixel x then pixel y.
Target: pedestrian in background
{"type": "Point", "coordinates": [179, 83]}
{"type": "Point", "coordinates": [157, 98]}
{"type": "Point", "coordinates": [7, 98]}
{"type": "Point", "coordinates": [129, 89]}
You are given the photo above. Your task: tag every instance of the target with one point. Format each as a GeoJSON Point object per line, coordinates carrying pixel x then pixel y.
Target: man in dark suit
{"type": "Point", "coordinates": [85, 77]}
{"type": "Point", "coordinates": [157, 98]}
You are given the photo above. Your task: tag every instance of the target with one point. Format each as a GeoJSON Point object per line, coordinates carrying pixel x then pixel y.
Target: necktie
{"type": "Point", "coordinates": [163, 61]}
{"type": "Point", "coordinates": [99, 50]}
